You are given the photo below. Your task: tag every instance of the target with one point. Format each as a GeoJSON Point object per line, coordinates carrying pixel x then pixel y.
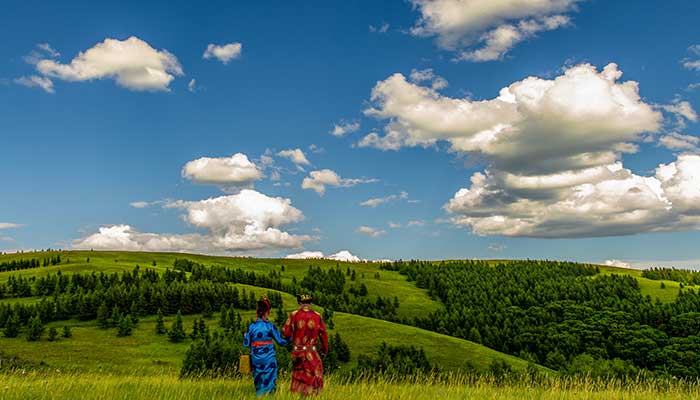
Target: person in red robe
{"type": "Point", "coordinates": [309, 337]}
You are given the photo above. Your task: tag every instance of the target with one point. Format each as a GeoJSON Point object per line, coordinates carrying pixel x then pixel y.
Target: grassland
{"type": "Point", "coordinates": [98, 365]}
{"type": "Point", "coordinates": [61, 386]}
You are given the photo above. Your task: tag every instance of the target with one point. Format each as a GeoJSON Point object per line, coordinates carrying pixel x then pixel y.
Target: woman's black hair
{"type": "Point", "coordinates": [263, 307]}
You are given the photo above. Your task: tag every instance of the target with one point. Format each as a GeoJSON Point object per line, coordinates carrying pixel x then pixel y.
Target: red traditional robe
{"type": "Point", "coordinates": [309, 336]}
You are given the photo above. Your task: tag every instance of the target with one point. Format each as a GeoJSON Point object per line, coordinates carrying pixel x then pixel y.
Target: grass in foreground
{"type": "Point", "coordinates": [88, 387]}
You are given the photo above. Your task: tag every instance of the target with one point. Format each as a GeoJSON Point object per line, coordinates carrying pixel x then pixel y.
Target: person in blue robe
{"type": "Point", "coordinates": [263, 359]}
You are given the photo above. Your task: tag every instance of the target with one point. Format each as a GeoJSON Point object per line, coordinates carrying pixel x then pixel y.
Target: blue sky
{"type": "Point", "coordinates": [465, 172]}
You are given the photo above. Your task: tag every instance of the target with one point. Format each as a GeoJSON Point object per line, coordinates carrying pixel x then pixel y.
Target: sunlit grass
{"type": "Point", "coordinates": [59, 385]}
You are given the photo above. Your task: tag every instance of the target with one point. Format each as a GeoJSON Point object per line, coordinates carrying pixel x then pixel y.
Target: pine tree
{"type": "Point", "coordinates": [67, 332]}
{"type": "Point", "coordinates": [134, 313]}
{"type": "Point", "coordinates": [35, 329]}
{"type": "Point", "coordinates": [207, 311]}
{"type": "Point", "coordinates": [280, 316]}
{"type": "Point", "coordinates": [53, 333]}
{"type": "Point", "coordinates": [224, 321]}
{"type": "Point", "coordinates": [160, 323]}
{"type": "Point", "coordinates": [103, 315]}
{"type": "Point", "coordinates": [12, 326]}
{"type": "Point", "coordinates": [116, 317]}
{"type": "Point", "coordinates": [177, 332]}
{"type": "Point", "coordinates": [125, 326]}
{"type": "Point", "coordinates": [341, 348]}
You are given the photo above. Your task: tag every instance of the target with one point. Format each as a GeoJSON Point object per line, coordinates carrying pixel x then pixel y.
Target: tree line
{"type": "Point", "coordinates": [552, 313]}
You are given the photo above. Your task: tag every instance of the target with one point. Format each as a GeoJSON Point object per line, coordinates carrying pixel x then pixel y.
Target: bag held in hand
{"type": "Point", "coordinates": [244, 364]}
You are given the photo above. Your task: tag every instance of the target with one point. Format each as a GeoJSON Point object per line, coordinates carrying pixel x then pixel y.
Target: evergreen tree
{"type": "Point", "coordinates": [67, 332]}
{"type": "Point", "coordinates": [207, 311]}
{"type": "Point", "coordinates": [280, 316]}
{"type": "Point", "coordinates": [125, 326]}
{"type": "Point", "coordinates": [53, 333]}
{"type": "Point", "coordinates": [35, 329]}
{"type": "Point", "coordinates": [328, 317]}
{"type": "Point", "coordinates": [224, 321]}
{"type": "Point", "coordinates": [116, 317]}
{"type": "Point", "coordinates": [103, 316]}
{"type": "Point", "coordinates": [134, 313]}
{"type": "Point", "coordinates": [12, 326]}
{"type": "Point", "coordinates": [177, 332]}
{"type": "Point", "coordinates": [160, 323]}
{"type": "Point", "coordinates": [341, 348]}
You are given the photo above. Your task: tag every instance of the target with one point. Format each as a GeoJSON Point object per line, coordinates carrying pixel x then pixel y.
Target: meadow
{"type": "Point", "coordinates": [97, 364]}
{"type": "Point", "coordinates": [62, 386]}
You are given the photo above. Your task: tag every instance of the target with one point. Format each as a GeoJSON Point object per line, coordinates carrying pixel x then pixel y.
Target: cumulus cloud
{"type": "Point", "coordinates": [36, 81]}
{"type": "Point", "coordinates": [415, 222]}
{"type": "Point", "coordinates": [494, 27]}
{"type": "Point", "coordinates": [342, 255]}
{"type": "Point", "coordinates": [297, 156]}
{"type": "Point", "coordinates": [192, 85]}
{"type": "Point", "coordinates": [542, 125]}
{"type": "Point", "coordinates": [230, 173]}
{"type": "Point", "coordinates": [224, 53]}
{"type": "Point", "coordinates": [374, 202]}
{"type": "Point", "coordinates": [427, 75]}
{"type": "Point", "coordinates": [368, 230]}
{"type": "Point", "coordinates": [304, 255]}
{"type": "Point", "coordinates": [617, 263]}
{"type": "Point", "coordinates": [318, 180]}
{"type": "Point", "coordinates": [234, 224]}
{"type": "Point", "coordinates": [599, 201]}
{"type": "Point", "coordinates": [342, 128]}
{"type": "Point", "coordinates": [132, 63]}
{"type": "Point", "coordinates": [553, 149]}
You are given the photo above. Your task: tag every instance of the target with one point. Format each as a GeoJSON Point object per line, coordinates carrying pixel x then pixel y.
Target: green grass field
{"type": "Point", "coordinates": [62, 386]}
{"type": "Point", "coordinates": [97, 364]}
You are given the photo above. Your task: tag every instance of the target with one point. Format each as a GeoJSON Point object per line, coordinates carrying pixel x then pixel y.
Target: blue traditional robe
{"type": "Point", "coordinates": [263, 358]}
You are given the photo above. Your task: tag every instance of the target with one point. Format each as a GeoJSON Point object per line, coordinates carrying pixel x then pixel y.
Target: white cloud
{"type": "Point", "coordinates": [230, 173]}
{"type": "Point", "coordinates": [344, 255]}
{"type": "Point", "coordinates": [394, 225]}
{"type": "Point", "coordinates": [9, 225]}
{"type": "Point", "coordinates": [537, 124]}
{"type": "Point", "coordinates": [494, 25]}
{"type": "Point", "coordinates": [42, 51]}
{"type": "Point", "coordinates": [318, 180]}
{"type": "Point", "coordinates": [552, 149]}
{"type": "Point", "coordinates": [499, 41]}
{"type": "Point", "coordinates": [48, 49]}
{"type": "Point", "coordinates": [192, 85]}
{"type": "Point", "coordinates": [682, 111]}
{"type": "Point", "coordinates": [240, 223]}
{"type": "Point", "coordinates": [342, 128]}
{"type": "Point", "coordinates": [374, 202]}
{"type": "Point", "coordinates": [368, 230]}
{"type": "Point", "coordinates": [497, 247]}
{"type": "Point", "coordinates": [601, 201]}
{"type": "Point", "coordinates": [36, 81]}
{"type": "Point", "coordinates": [295, 155]}
{"type": "Point", "coordinates": [427, 75]}
{"type": "Point", "coordinates": [617, 263]}
{"type": "Point", "coordinates": [132, 63]}
{"type": "Point", "coordinates": [381, 29]}
{"type": "Point", "coordinates": [306, 255]}
{"type": "Point", "coordinates": [693, 87]}
{"type": "Point", "coordinates": [676, 141]}
{"type": "Point", "coordinates": [224, 53]}
{"type": "Point", "coordinates": [415, 223]}
{"type": "Point", "coordinates": [140, 204]}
